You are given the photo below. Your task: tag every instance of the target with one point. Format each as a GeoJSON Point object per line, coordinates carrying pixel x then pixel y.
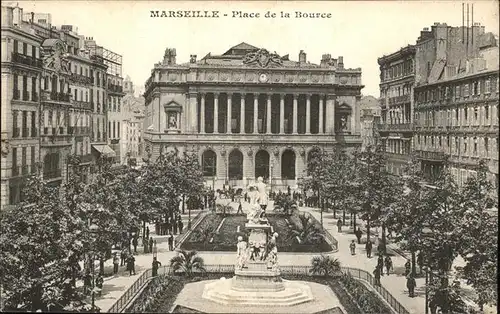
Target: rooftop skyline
{"type": "Point", "coordinates": [359, 31]}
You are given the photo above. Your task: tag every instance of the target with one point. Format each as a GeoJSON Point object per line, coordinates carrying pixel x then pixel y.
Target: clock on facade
{"type": "Point", "coordinates": [263, 78]}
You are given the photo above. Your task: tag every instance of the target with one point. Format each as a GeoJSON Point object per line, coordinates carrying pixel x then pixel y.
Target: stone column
{"type": "Point", "coordinates": [191, 119]}
{"type": "Point", "coordinates": [321, 105]}
{"type": "Point", "coordinates": [202, 114]}
{"type": "Point", "coordinates": [216, 113]}
{"type": "Point", "coordinates": [229, 107]}
{"type": "Point", "coordinates": [295, 115]}
{"type": "Point", "coordinates": [282, 114]}
{"type": "Point", "coordinates": [330, 115]}
{"type": "Point", "coordinates": [255, 113]}
{"type": "Point", "coordinates": [268, 122]}
{"type": "Point", "coordinates": [242, 114]}
{"type": "Point", "coordinates": [308, 114]}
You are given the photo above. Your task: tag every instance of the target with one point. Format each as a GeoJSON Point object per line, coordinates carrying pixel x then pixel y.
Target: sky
{"type": "Point", "coordinates": [360, 31]}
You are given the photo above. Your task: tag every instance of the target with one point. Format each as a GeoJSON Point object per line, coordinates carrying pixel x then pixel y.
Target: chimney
{"type": "Point", "coordinates": [341, 62]}
{"type": "Point", "coordinates": [302, 57]}
{"type": "Point", "coordinates": [32, 17]}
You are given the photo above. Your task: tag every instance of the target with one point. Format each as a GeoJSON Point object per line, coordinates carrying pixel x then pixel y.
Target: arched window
{"type": "Point", "coordinates": [262, 164]}
{"type": "Point", "coordinates": [209, 163]}
{"type": "Point", "coordinates": [288, 165]}
{"type": "Point", "coordinates": [235, 171]}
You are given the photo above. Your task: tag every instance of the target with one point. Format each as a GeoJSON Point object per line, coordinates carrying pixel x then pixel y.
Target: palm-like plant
{"type": "Point", "coordinates": [187, 263]}
{"type": "Point", "coordinates": [306, 232]}
{"type": "Point", "coordinates": [324, 265]}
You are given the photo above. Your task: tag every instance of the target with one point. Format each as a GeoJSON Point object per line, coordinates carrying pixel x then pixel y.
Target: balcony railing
{"type": "Point", "coordinates": [395, 127]}
{"type": "Point", "coordinates": [399, 100]}
{"type": "Point", "coordinates": [115, 88]}
{"type": "Point", "coordinates": [81, 78]}
{"type": "Point", "coordinates": [55, 96]}
{"type": "Point", "coordinates": [27, 60]}
{"type": "Point", "coordinates": [430, 155]}
{"type": "Point", "coordinates": [52, 173]}
{"type": "Point", "coordinates": [83, 104]}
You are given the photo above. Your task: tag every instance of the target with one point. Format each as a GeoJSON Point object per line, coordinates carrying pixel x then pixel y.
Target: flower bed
{"type": "Point", "coordinates": [160, 294]}
{"type": "Point", "coordinates": [205, 238]}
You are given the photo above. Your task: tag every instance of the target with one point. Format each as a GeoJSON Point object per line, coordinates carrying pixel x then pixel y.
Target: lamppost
{"type": "Point", "coordinates": [427, 233]}
{"type": "Point", "coordinates": [93, 230]}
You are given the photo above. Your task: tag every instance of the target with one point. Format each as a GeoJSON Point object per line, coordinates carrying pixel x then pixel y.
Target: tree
{"type": "Point", "coordinates": [187, 263]}
{"type": "Point", "coordinates": [325, 265]}
{"type": "Point", "coordinates": [477, 236]}
{"type": "Point", "coordinates": [375, 188]}
{"type": "Point", "coordinates": [38, 239]}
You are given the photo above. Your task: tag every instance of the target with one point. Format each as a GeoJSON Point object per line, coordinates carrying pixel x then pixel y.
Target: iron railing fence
{"type": "Point", "coordinates": [357, 273]}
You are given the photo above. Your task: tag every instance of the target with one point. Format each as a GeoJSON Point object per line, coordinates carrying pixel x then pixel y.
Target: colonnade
{"type": "Point", "coordinates": [269, 113]}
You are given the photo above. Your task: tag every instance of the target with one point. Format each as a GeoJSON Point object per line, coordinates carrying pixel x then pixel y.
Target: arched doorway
{"type": "Point", "coordinates": [288, 165]}
{"type": "Point", "coordinates": [209, 163]}
{"type": "Point", "coordinates": [235, 171]}
{"type": "Point", "coordinates": [262, 164]}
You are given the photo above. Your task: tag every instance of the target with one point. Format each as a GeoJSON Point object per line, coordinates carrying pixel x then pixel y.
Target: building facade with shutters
{"type": "Point", "coordinates": [250, 113]}
{"type": "Point", "coordinates": [397, 79]}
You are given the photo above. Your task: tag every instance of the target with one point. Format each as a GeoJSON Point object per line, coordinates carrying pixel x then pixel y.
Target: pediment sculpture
{"type": "Point", "coordinates": [55, 58]}
{"type": "Point", "coordinates": [263, 58]}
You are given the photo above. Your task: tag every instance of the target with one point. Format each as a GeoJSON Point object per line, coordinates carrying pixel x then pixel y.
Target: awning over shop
{"type": "Point", "coordinates": [104, 150]}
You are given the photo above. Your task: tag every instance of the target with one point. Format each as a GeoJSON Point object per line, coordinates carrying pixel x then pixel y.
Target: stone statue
{"type": "Point", "coordinates": [172, 121]}
{"type": "Point", "coordinates": [263, 199]}
{"type": "Point", "coordinates": [343, 122]}
{"type": "Point", "coordinates": [254, 214]}
{"type": "Point", "coordinates": [241, 253]}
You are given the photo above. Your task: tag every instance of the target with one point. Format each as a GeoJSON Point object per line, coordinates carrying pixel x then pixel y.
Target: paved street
{"type": "Point", "coordinates": [114, 287]}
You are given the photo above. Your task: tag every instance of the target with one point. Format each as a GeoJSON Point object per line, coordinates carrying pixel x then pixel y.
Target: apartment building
{"type": "Point", "coordinates": [397, 79]}
{"type": "Point", "coordinates": [22, 69]}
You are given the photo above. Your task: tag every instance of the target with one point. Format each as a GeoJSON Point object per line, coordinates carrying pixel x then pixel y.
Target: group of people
{"type": "Point", "coordinates": [126, 259]}
{"type": "Point", "coordinates": [170, 226]}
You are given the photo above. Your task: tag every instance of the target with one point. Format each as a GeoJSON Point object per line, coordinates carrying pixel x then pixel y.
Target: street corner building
{"type": "Point", "coordinates": [250, 112]}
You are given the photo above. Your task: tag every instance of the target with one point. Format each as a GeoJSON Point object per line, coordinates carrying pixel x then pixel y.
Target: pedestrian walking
{"type": "Point", "coordinates": [175, 226]}
{"type": "Point", "coordinates": [150, 242]}
{"type": "Point", "coordinates": [358, 233]}
{"type": "Point", "coordinates": [352, 246]}
{"type": "Point", "coordinates": [380, 264]}
{"type": "Point", "coordinates": [339, 225]}
{"type": "Point", "coordinates": [368, 248]}
{"type": "Point", "coordinates": [99, 281]}
{"type": "Point", "coordinates": [420, 261]}
{"type": "Point", "coordinates": [124, 256]}
{"type": "Point", "coordinates": [376, 274]}
{"type": "Point", "coordinates": [181, 225]}
{"type": "Point", "coordinates": [407, 267]}
{"type": "Point", "coordinates": [388, 264]}
{"type": "Point", "coordinates": [135, 242]}
{"type": "Point", "coordinates": [240, 209]}
{"type": "Point", "coordinates": [147, 232]}
{"type": "Point", "coordinates": [170, 240]}
{"type": "Point", "coordinates": [411, 284]}
{"type": "Point", "coordinates": [156, 265]}
{"type": "Point", "coordinates": [87, 282]}
{"type": "Point", "coordinates": [146, 245]}
{"type": "Point", "coordinates": [115, 263]}
{"type": "Point", "coordinates": [131, 264]}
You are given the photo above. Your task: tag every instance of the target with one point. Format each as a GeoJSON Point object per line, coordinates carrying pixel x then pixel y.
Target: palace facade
{"type": "Point", "coordinates": [250, 113]}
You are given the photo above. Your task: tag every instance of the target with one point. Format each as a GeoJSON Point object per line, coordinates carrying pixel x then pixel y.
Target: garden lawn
{"type": "Point", "coordinates": [227, 237]}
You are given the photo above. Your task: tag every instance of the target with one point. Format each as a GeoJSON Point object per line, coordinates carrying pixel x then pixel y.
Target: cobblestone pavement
{"type": "Point", "coordinates": [395, 283]}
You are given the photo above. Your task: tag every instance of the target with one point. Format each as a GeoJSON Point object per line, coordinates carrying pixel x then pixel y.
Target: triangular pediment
{"type": "Point", "coordinates": [172, 105]}
{"type": "Point", "coordinates": [343, 107]}
{"type": "Point", "coordinates": [240, 49]}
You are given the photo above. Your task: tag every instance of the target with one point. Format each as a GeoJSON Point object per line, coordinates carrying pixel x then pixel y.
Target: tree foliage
{"type": "Point", "coordinates": [187, 263]}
